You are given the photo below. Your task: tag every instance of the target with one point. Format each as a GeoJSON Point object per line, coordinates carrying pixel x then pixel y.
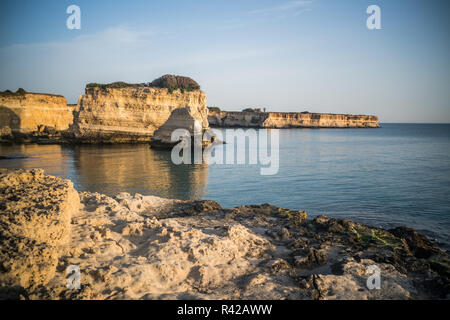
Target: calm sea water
{"type": "Point", "coordinates": [396, 175]}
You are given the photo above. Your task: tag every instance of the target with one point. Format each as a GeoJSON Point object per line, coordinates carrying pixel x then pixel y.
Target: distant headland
{"type": "Point", "coordinates": [284, 120]}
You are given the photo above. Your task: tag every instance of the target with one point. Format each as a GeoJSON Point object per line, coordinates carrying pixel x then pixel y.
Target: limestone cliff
{"type": "Point", "coordinates": [131, 113]}
{"type": "Point", "coordinates": [25, 112]}
{"type": "Point", "coordinates": [190, 119]}
{"type": "Point", "coordinates": [282, 120]}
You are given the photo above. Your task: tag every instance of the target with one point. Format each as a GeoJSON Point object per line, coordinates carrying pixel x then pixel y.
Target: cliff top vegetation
{"type": "Point", "coordinates": [214, 109]}
{"type": "Point", "coordinates": [21, 93]}
{"type": "Point", "coordinates": [252, 110]}
{"type": "Point", "coordinates": [168, 81]}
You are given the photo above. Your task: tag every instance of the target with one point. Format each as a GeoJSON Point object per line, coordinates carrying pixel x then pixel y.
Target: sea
{"type": "Point", "coordinates": [396, 175]}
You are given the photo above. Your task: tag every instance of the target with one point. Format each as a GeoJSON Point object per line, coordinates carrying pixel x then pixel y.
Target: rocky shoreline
{"type": "Point", "coordinates": [146, 247]}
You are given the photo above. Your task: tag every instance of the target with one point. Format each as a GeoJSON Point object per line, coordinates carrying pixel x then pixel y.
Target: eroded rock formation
{"type": "Point", "coordinates": [122, 113]}
{"type": "Point", "coordinates": [194, 120]}
{"type": "Point", "coordinates": [283, 120]}
{"type": "Point", "coordinates": [35, 222]}
{"type": "Point", "coordinates": [130, 113]}
{"type": "Point", "coordinates": [107, 113]}
{"type": "Point", "coordinates": [25, 112]}
{"type": "Point", "coordinates": [146, 247]}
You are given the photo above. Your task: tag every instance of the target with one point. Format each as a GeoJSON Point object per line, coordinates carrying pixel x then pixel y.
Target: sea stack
{"type": "Point", "coordinates": [193, 120]}
{"type": "Point", "coordinates": [126, 113]}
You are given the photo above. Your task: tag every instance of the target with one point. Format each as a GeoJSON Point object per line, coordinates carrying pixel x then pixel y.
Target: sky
{"type": "Point", "coordinates": [307, 55]}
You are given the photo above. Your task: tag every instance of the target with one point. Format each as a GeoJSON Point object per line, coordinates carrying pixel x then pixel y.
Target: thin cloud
{"type": "Point", "coordinates": [115, 54]}
{"type": "Point", "coordinates": [295, 7]}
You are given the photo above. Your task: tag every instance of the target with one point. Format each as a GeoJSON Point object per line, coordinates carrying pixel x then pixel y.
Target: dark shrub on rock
{"type": "Point", "coordinates": [118, 84]}
{"type": "Point", "coordinates": [19, 92]}
{"type": "Point", "coordinates": [252, 110]}
{"type": "Point", "coordinates": [214, 109]}
{"type": "Point", "coordinates": [173, 82]}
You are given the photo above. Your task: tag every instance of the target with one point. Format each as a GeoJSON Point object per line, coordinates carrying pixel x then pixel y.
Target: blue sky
{"type": "Point", "coordinates": [315, 55]}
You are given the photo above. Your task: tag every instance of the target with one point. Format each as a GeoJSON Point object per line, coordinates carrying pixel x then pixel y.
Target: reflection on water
{"type": "Point", "coordinates": [54, 159]}
{"type": "Point", "coordinates": [113, 169]}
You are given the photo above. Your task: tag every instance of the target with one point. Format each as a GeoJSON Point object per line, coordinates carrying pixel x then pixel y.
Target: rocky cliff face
{"type": "Point", "coordinates": [26, 112]}
{"type": "Point", "coordinates": [290, 120]}
{"type": "Point", "coordinates": [130, 114]}
{"type": "Point", "coordinates": [190, 119]}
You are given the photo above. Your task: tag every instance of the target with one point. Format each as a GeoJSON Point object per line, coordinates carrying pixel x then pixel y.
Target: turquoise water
{"type": "Point", "coordinates": [396, 175]}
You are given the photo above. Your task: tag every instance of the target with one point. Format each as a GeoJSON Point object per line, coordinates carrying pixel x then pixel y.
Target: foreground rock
{"type": "Point", "coordinates": [35, 222]}
{"type": "Point", "coordinates": [145, 247]}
